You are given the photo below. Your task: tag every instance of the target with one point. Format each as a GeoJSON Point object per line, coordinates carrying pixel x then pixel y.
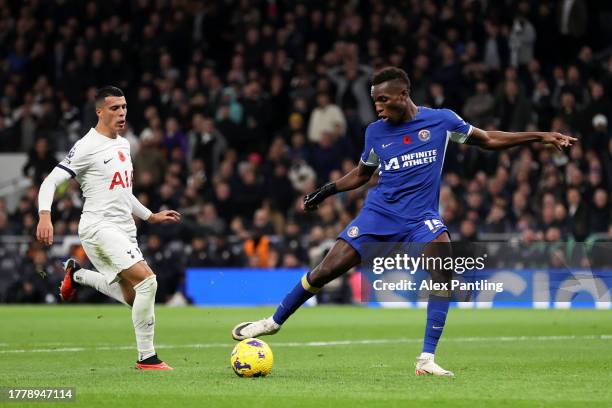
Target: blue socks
{"type": "Point", "coordinates": [294, 299]}
{"type": "Point", "coordinates": [437, 309]}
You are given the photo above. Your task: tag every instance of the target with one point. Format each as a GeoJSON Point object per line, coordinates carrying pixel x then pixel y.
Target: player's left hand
{"type": "Point", "coordinates": [558, 140]}
{"type": "Point", "coordinates": [164, 217]}
{"type": "Point", "coordinates": [312, 200]}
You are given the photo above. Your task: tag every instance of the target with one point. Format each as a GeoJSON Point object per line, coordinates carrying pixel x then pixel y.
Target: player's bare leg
{"type": "Point", "coordinates": [340, 258]}
{"type": "Point", "coordinates": [129, 294]}
{"type": "Point", "coordinates": [142, 279]}
{"type": "Point", "coordinates": [437, 309]}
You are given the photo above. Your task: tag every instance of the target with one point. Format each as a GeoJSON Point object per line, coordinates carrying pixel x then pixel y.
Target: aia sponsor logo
{"type": "Point", "coordinates": [122, 180]}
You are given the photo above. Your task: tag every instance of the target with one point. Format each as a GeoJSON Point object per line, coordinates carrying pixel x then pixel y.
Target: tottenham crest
{"type": "Point", "coordinates": [353, 232]}
{"type": "Point", "coordinates": [424, 135]}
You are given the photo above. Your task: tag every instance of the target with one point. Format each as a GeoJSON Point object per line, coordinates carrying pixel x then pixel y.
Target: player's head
{"type": "Point", "coordinates": [111, 108]}
{"type": "Point", "coordinates": [391, 93]}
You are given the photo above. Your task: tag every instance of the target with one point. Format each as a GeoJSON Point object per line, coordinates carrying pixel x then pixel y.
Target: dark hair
{"type": "Point", "coordinates": [390, 74]}
{"type": "Point", "coordinates": [107, 91]}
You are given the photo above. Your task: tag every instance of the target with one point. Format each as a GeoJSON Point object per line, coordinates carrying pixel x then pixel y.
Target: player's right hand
{"type": "Point", "coordinates": [312, 200]}
{"type": "Point", "coordinates": [44, 230]}
{"type": "Point", "coordinates": [558, 140]}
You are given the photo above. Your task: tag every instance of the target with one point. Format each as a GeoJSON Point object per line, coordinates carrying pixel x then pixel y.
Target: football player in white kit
{"type": "Point", "coordinates": [101, 163]}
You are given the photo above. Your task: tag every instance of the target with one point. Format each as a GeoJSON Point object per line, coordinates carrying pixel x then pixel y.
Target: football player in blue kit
{"type": "Point", "coordinates": [408, 144]}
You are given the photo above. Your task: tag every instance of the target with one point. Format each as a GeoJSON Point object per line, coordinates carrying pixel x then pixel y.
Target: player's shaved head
{"type": "Point", "coordinates": [388, 74]}
{"type": "Point", "coordinates": [105, 91]}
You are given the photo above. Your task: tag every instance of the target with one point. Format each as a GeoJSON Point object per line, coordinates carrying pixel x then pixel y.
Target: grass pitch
{"type": "Point", "coordinates": [324, 357]}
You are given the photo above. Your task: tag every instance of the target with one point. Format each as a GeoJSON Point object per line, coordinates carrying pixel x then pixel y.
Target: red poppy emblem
{"type": "Point", "coordinates": [121, 156]}
{"type": "Point", "coordinates": [407, 140]}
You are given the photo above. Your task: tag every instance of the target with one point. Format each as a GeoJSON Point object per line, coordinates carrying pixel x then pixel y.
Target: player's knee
{"type": "Point", "coordinates": [144, 270]}
{"type": "Point", "coordinates": [147, 285]}
{"type": "Point", "coordinates": [137, 273]}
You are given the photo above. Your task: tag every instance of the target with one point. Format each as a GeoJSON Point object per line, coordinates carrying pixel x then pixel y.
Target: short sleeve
{"type": "Point", "coordinates": [369, 156]}
{"type": "Point", "coordinates": [75, 161]}
{"type": "Point", "coordinates": [458, 129]}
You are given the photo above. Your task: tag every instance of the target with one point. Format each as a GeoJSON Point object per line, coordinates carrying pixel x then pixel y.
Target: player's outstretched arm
{"type": "Point", "coordinates": [497, 140]}
{"type": "Point", "coordinates": [142, 212]}
{"type": "Point", "coordinates": [44, 230]}
{"type": "Point", "coordinates": [352, 180]}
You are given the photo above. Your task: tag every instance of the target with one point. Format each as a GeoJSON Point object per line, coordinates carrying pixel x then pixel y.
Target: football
{"type": "Point", "coordinates": [252, 358]}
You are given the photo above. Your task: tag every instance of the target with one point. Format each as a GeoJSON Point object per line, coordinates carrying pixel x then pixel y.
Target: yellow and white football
{"type": "Point", "coordinates": [252, 358]}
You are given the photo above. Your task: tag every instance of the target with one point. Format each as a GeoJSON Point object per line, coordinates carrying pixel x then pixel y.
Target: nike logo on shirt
{"type": "Point", "coordinates": [106, 161]}
{"type": "Point", "coordinates": [387, 145]}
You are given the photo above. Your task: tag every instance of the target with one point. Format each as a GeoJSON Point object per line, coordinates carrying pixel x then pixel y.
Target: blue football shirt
{"type": "Point", "coordinates": [411, 157]}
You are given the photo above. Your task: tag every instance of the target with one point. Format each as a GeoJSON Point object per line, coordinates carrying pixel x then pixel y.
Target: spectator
{"type": "Point", "coordinates": [225, 126]}
{"type": "Point", "coordinates": [578, 215]}
{"type": "Point", "coordinates": [209, 221]}
{"type": "Point", "coordinates": [599, 104]}
{"type": "Point", "coordinates": [522, 40]}
{"type": "Point", "coordinates": [600, 212]}
{"type": "Point", "coordinates": [352, 91]}
{"type": "Point", "coordinates": [247, 192]}
{"type": "Point", "coordinates": [599, 138]}
{"type": "Point", "coordinates": [572, 20]}
{"type": "Point", "coordinates": [150, 159]}
{"type": "Point", "coordinates": [496, 47]}
{"type": "Point", "coordinates": [40, 162]}
{"type": "Point", "coordinates": [478, 109]}
{"type": "Point", "coordinates": [207, 143]}
{"type": "Point", "coordinates": [326, 152]}
{"type": "Point", "coordinates": [326, 117]}
{"type": "Point", "coordinates": [174, 138]}
{"type": "Point", "coordinates": [199, 255]}
{"type": "Point", "coordinates": [512, 109]}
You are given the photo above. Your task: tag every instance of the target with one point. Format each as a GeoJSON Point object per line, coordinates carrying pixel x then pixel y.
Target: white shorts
{"type": "Point", "coordinates": [110, 249]}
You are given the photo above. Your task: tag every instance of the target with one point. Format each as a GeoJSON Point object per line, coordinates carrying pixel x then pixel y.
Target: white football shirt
{"type": "Point", "coordinates": [103, 168]}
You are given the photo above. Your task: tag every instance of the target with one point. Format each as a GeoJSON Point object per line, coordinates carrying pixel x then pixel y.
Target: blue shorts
{"type": "Point", "coordinates": [375, 227]}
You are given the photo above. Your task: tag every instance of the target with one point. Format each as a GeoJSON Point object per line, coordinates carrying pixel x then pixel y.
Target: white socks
{"type": "Point", "coordinates": [143, 309]}
{"type": "Point", "coordinates": [143, 316]}
{"type": "Point", "coordinates": [98, 282]}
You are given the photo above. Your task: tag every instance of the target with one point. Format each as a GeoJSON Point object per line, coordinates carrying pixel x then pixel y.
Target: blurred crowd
{"type": "Point", "coordinates": [236, 109]}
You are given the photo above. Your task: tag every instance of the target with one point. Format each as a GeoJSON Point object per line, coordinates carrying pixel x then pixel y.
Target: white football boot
{"type": "Point", "coordinates": [263, 327]}
{"type": "Point", "coordinates": [425, 365]}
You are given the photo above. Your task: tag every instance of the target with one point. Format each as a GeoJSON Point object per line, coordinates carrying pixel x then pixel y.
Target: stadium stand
{"type": "Point", "coordinates": [236, 109]}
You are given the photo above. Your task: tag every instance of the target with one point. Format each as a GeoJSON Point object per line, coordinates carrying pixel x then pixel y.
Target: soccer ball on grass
{"type": "Point", "coordinates": [252, 358]}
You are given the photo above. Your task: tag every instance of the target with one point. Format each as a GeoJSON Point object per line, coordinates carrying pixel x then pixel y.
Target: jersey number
{"type": "Point", "coordinates": [433, 224]}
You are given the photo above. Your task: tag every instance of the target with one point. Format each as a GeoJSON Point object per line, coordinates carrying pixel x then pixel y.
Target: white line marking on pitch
{"type": "Point", "coordinates": [319, 343]}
